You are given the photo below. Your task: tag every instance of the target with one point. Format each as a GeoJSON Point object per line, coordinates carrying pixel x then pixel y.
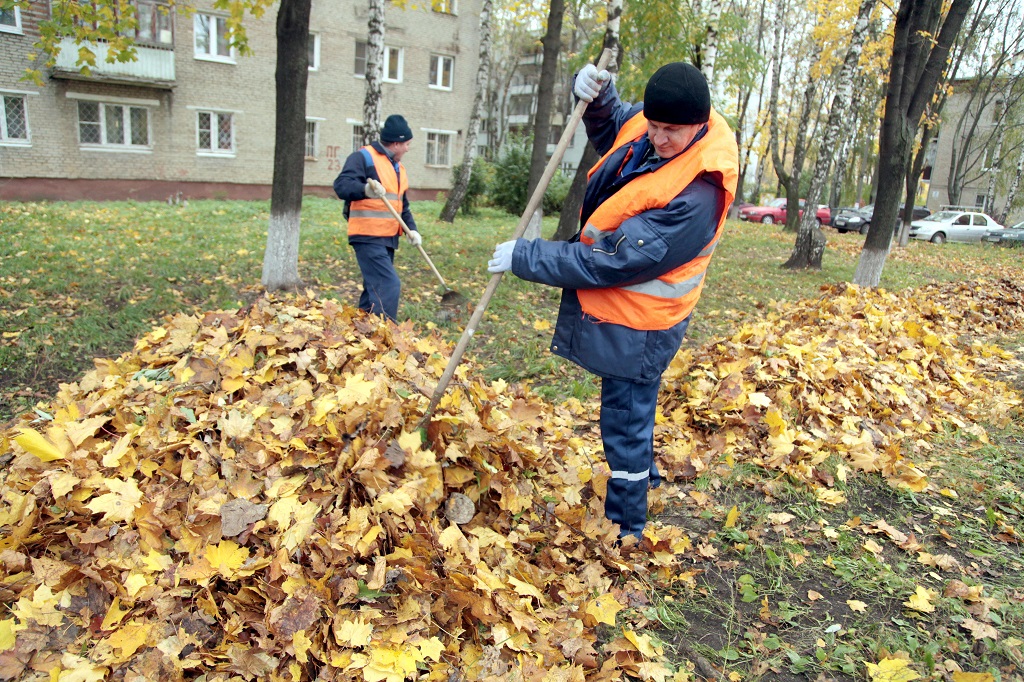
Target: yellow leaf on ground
{"type": "Point", "coordinates": [972, 677]}
{"type": "Point", "coordinates": [891, 670]}
{"type": "Point", "coordinates": [604, 608]}
{"type": "Point", "coordinates": [130, 638]}
{"type": "Point", "coordinates": [7, 634]}
{"type": "Point", "coordinates": [979, 630]}
{"type": "Point", "coordinates": [115, 614]}
{"type": "Point", "coordinates": [431, 648]}
{"type": "Point", "coordinates": [921, 600]}
{"type": "Point", "coordinates": [36, 444]}
{"type": "Point", "coordinates": [642, 643]}
{"type": "Point", "coordinates": [732, 517]}
{"type": "Point", "coordinates": [813, 596]}
{"type": "Point", "coordinates": [226, 558]}
{"type": "Point", "coordinates": [855, 605]}
{"type": "Point", "coordinates": [354, 633]}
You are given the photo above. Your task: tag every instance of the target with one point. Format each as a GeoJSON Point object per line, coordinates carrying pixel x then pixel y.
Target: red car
{"type": "Point", "coordinates": [775, 212]}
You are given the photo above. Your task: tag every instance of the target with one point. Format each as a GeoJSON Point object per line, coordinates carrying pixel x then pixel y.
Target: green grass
{"type": "Point", "coordinates": [83, 280]}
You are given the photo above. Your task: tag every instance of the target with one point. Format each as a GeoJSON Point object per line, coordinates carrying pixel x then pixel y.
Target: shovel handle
{"type": "Point", "coordinates": [524, 222]}
{"type": "Point", "coordinates": [405, 228]}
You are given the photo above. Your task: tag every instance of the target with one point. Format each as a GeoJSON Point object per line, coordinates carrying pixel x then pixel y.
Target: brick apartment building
{"type": "Point", "coordinates": [192, 119]}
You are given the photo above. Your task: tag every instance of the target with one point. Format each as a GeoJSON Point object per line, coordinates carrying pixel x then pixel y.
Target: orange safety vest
{"type": "Point", "coordinates": [370, 217]}
{"type": "Point", "coordinates": [663, 302]}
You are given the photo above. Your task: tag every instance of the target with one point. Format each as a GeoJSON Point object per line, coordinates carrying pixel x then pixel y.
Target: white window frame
{"type": "Point", "coordinates": [126, 105]}
{"type": "Point", "coordinates": [357, 130]}
{"type": "Point", "coordinates": [5, 140]}
{"type": "Point", "coordinates": [314, 63]}
{"type": "Point", "coordinates": [439, 60]}
{"type": "Point", "coordinates": [313, 123]}
{"type": "Point", "coordinates": [16, 27]}
{"type": "Point", "coordinates": [214, 20]}
{"type": "Point", "coordinates": [215, 115]}
{"type": "Point", "coordinates": [385, 75]}
{"type": "Point", "coordinates": [432, 139]}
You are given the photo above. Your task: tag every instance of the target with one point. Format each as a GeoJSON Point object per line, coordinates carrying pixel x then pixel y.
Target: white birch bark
{"type": "Point", "coordinates": [374, 71]}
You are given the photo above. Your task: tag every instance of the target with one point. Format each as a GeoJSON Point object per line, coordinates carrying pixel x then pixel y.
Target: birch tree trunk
{"type": "Point", "coordinates": [569, 217]}
{"type": "Point", "coordinates": [1011, 194]}
{"type": "Point", "coordinates": [918, 58]}
{"type": "Point", "coordinates": [707, 62]}
{"type": "Point", "coordinates": [281, 256]}
{"type": "Point", "coordinates": [458, 193]}
{"type": "Point", "coordinates": [810, 242]}
{"type": "Point", "coordinates": [372, 103]}
{"type": "Point", "coordinates": [990, 192]}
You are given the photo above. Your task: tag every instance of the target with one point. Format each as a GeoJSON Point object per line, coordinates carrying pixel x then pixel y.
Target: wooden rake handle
{"type": "Point", "coordinates": [524, 222]}
{"type": "Point", "coordinates": [405, 228]}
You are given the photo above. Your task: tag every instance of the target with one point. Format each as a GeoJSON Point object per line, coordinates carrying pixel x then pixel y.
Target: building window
{"type": "Point", "coordinates": [357, 137]}
{"type": "Point", "coordinates": [360, 67]}
{"type": "Point", "coordinates": [10, 20]}
{"type": "Point", "coordinates": [314, 51]}
{"type": "Point", "coordinates": [979, 201]}
{"type": "Point", "coordinates": [446, 6]}
{"type": "Point", "coordinates": [312, 139]}
{"type": "Point", "coordinates": [215, 133]}
{"type": "Point", "coordinates": [520, 105]}
{"type": "Point", "coordinates": [212, 40]}
{"type": "Point", "coordinates": [14, 122]}
{"type": "Point", "coordinates": [155, 24]}
{"type": "Point", "coordinates": [113, 125]}
{"type": "Point", "coordinates": [441, 69]}
{"type": "Point", "coordinates": [392, 65]}
{"type": "Point", "coordinates": [439, 149]}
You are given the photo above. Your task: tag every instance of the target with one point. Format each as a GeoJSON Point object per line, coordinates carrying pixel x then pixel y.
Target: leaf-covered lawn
{"type": "Point", "coordinates": [239, 493]}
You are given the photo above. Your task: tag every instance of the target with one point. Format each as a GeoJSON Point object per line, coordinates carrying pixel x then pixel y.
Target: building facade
{"type": "Point", "coordinates": [190, 118]}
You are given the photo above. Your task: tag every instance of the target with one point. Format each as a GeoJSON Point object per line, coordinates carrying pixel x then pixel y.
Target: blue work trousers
{"type": "Point", "coordinates": [381, 286]}
{"type": "Point", "coordinates": [627, 431]}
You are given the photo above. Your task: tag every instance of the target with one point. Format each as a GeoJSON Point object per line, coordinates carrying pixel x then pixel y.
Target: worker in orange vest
{"type": "Point", "coordinates": [652, 214]}
{"type": "Point", "coordinates": [372, 175]}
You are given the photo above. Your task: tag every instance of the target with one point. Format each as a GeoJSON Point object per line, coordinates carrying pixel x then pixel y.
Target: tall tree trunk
{"type": "Point", "coordinates": [372, 103]}
{"type": "Point", "coordinates": [281, 256]}
{"type": "Point", "coordinates": [710, 52]}
{"type": "Point", "coordinates": [569, 216]}
{"type": "Point", "coordinates": [810, 242]}
{"type": "Point", "coordinates": [1011, 194]}
{"type": "Point", "coordinates": [993, 166]}
{"type": "Point", "coordinates": [546, 94]}
{"type": "Point", "coordinates": [916, 66]}
{"type": "Point", "coordinates": [458, 193]}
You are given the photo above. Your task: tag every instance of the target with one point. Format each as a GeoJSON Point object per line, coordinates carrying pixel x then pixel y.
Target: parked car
{"type": "Point", "coordinates": [851, 220]}
{"type": "Point", "coordinates": [775, 212]}
{"type": "Point", "coordinates": [1008, 236]}
{"type": "Point", "coordinates": [954, 225]}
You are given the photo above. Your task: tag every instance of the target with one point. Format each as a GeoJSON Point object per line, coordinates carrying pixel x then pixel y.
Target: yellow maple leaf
{"type": "Point", "coordinates": [354, 633]}
{"type": "Point", "coordinates": [604, 608]}
{"type": "Point", "coordinates": [830, 496]}
{"type": "Point", "coordinates": [391, 664]}
{"type": "Point", "coordinates": [960, 676]}
{"type": "Point", "coordinates": [357, 391]}
{"type": "Point", "coordinates": [431, 648]}
{"type": "Point", "coordinates": [921, 600]}
{"type": "Point", "coordinates": [7, 634]}
{"type": "Point", "coordinates": [226, 558]}
{"type": "Point", "coordinates": [130, 638]}
{"type": "Point", "coordinates": [732, 517]}
{"type": "Point", "coordinates": [525, 589]}
{"type": "Point", "coordinates": [541, 325]}
{"type": "Point", "coordinates": [301, 644]}
{"type": "Point", "coordinates": [759, 400]}
{"type": "Point", "coordinates": [642, 643]}
{"type": "Point", "coordinates": [42, 608]}
{"type": "Point", "coordinates": [115, 614]}
{"type": "Point", "coordinates": [856, 605]}
{"type": "Point", "coordinates": [891, 670]}
{"type": "Point", "coordinates": [236, 424]}
{"type": "Point", "coordinates": [120, 503]}
{"type": "Point", "coordinates": [78, 669]}
{"type": "Point", "coordinates": [34, 443]}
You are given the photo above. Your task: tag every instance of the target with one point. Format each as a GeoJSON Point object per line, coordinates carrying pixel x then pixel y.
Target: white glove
{"type": "Point", "coordinates": [589, 81]}
{"type": "Point", "coordinates": [502, 258]}
{"type": "Point", "coordinates": [374, 189]}
{"type": "Point", "coordinates": [415, 238]}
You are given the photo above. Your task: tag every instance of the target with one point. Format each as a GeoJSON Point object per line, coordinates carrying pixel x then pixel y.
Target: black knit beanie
{"type": "Point", "coordinates": [677, 93]}
{"type": "Point", "coordinates": [395, 130]}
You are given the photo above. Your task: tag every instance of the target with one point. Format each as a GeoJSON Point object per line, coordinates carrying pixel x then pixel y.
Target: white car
{"type": "Point", "coordinates": [954, 226]}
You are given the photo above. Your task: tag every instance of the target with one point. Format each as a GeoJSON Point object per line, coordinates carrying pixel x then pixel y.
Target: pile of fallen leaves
{"type": "Point", "coordinates": [246, 494]}
{"type": "Point", "coordinates": [862, 374]}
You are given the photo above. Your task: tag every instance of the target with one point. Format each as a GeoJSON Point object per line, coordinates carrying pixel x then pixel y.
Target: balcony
{"type": "Point", "coordinates": [153, 67]}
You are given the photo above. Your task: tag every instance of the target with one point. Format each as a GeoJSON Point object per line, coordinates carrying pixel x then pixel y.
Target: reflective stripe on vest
{"type": "Point", "coordinates": [666, 301]}
{"type": "Point", "coordinates": [370, 217]}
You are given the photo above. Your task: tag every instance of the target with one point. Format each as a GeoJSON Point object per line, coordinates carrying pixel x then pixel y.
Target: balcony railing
{"type": "Point", "coordinates": [153, 66]}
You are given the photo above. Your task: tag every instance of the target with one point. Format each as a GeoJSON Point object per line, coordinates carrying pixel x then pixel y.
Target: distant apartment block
{"type": "Point", "coordinates": [191, 118]}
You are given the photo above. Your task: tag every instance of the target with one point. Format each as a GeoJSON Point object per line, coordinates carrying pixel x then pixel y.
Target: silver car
{"type": "Point", "coordinates": [955, 226]}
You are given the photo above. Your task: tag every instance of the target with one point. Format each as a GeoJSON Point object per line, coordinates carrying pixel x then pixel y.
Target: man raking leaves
{"type": "Point", "coordinates": [653, 211]}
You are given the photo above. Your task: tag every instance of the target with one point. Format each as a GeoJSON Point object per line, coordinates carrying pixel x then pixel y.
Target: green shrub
{"type": "Point", "coordinates": [511, 176]}
{"type": "Point", "coordinates": [478, 180]}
